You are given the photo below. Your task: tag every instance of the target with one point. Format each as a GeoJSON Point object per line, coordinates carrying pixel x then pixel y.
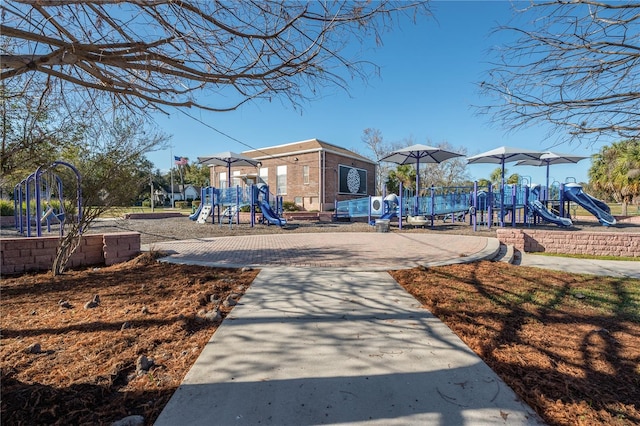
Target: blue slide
{"type": "Point", "coordinates": [270, 215]}
{"type": "Point", "coordinates": [390, 203]}
{"type": "Point", "coordinates": [542, 211]}
{"type": "Point", "coordinates": [573, 192]}
{"type": "Point", "coordinates": [388, 215]}
{"type": "Point", "coordinates": [546, 215]}
{"type": "Point", "coordinates": [195, 214]}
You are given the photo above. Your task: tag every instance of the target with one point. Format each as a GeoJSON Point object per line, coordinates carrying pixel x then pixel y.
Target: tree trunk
{"type": "Point", "coordinates": [66, 247]}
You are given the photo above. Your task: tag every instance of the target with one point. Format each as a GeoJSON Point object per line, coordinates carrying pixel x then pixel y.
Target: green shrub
{"type": "Point", "coordinates": [146, 203]}
{"type": "Point", "coordinates": [290, 206]}
{"type": "Point", "coordinates": [6, 208]}
{"type": "Point", "coordinates": [247, 209]}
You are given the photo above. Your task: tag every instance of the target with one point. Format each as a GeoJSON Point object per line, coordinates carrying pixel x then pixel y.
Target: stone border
{"type": "Point", "coordinates": [566, 242]}
{"type": "Point", "coordinates": [21, 254]}
{"type": "Point", "coordinates": [162, 215]}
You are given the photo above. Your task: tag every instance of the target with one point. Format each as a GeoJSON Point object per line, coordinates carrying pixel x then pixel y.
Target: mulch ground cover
{"type": "Point", "coordinates": [97, 345]}
{"type": "Point", "coordinates": [569, 345]}
{"type": "Point", "coordinates": [94, 346]}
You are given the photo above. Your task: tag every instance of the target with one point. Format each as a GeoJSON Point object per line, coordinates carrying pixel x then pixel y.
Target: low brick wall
{"type": "Point", "coordinates": [23, 254]}
{"type": "Point", "coordinates": [566, 242]}
{"type": "Point", "coordinates": [313, 216]}
{"type": "Point", "coordinates": [162, 215]}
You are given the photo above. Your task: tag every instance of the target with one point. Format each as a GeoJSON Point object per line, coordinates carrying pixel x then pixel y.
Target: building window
{"type": "Point", "coordinates": [264, 175]}
{"type": "Point", "coordinates": [237, 181]}
{"type": "Point", "coordinates": [281, 180]}
{"type": "Point", "coordinates": [305, 175]}
{"type": "Point", "coordinates": [298, 201]}
{"type": "Point", "coordinates": [223, 180]}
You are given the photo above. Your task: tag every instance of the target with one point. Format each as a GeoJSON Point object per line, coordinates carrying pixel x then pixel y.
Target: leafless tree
{"type": "Point", "coordinates": [374, 140]}
{"type": "Point", "coordinates": [214, 55]}
{"type": "Point", "coordinates": [573, 64]}
{"type": "Point", "coordinates": [452, 172]}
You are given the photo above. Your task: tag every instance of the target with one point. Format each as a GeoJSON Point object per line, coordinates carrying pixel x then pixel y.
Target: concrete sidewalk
{"type": "Point", "coordinates": [318, 346]}
{"type": "Point", "coordinates": [612, 268]}
{"type": "Point", "coordinates": [324, 336]}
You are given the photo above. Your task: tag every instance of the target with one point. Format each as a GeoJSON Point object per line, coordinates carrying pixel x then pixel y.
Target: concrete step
{"type": "Point", "coordinates": [505, 254]}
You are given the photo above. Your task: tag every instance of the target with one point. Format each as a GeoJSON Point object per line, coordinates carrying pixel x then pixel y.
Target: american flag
{"type": "Point", "coordinates": [180, 161]}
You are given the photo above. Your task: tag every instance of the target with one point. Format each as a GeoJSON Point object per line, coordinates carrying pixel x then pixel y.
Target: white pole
{"type": "Point", "coordinates": [171, 169]}
{"type": "Point", "coordinates": [152, 194]}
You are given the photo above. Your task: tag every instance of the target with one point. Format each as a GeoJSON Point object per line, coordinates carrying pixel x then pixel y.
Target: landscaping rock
{"type": "Point", "coordinates": [212, 316]}
{"type": "Point", "coordinates": [34, 348]}
{"type": "Point", "coordinates": [143, 364]}
{"type": "Point", "coordinates": [94, 303]}
{"type": "Point", "coordinates": [65, 304]}
{"type": "Point", "coordinates": [90, 305]}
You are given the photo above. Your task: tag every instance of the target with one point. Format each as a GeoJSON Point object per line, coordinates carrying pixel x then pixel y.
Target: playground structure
{"type": "Point", "coordinates": [522, 203]}
{"type": "Point", "coordinates": [44, 186]}
{"type": "Point", "coordinates": [224, 205]}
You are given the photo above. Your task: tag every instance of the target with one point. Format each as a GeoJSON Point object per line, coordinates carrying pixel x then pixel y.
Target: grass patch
{"type": "Point", "coordinates": [616, 210]}
{"type": "Point", "coordinates": [585, 256]}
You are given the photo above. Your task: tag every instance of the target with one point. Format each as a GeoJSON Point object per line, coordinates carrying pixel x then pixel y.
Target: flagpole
{"type": "Point", "coordinates": [171, 169]}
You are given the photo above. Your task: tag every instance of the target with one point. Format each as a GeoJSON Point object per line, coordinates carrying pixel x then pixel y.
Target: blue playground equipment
{"type": "Point", "coordinates": [446, 203]}
{"type": "Point", "coordinates": [268, 213]}
{"type": "Point", "coordinates": [224, 205]}
{"type": "Point", "coordinates": [43, 186]}
{"type": "Point", "coordinates": [541, 210]}
{"type": "Point", "coordinates": [520, 203]}
{"type": "Point", "coordinates": [573, 192]}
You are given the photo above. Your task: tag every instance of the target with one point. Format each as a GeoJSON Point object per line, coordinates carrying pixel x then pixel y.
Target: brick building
{"type": "Point", "coordinates": [312, 173]}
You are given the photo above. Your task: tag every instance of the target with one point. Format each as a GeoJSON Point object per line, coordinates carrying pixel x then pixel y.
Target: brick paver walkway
{"type": "Point", "coordinates": [363, 251]}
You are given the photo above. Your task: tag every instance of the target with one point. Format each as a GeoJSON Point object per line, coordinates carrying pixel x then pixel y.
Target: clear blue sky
{"type": "Point", "coordinates": [426, 91]}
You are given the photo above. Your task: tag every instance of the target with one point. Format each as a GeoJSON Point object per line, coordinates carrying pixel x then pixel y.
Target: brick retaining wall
{"type": "Point", "coordinates": [566, 242]}
{"type": "Point", "coordinates": [161, 215]}
{"type": "Point", "coordinates": [23, 254]}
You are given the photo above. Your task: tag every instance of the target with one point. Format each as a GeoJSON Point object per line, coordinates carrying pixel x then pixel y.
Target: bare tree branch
{"type": "Point", "coordinates": [154, 53]}
{"type": "Point", "coordinates": [574, 65]}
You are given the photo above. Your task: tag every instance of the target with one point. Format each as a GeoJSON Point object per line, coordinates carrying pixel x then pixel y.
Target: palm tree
{"type": "Point", "coordinates": [496, 176]}
{"type": "Point", "coordinates": [615, 171]}
{"type": "Point", "coordinates": [406, 174]}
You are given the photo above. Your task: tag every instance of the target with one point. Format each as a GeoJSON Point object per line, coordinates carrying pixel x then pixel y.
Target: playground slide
{"type": "Point", "coordinates": [388, 215]}
{"type": "Point", "coordinates": [195, 214]}
{"type": "Point", "coordinates": [547, 216]}
{"type": "Point", "coordinates": [270, 215]}
{"type": "Point", "coordinates": [573, 192]}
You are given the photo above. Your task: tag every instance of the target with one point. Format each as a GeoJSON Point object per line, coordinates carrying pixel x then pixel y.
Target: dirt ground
{"type": "Point", "coordinates": [96, 345]}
